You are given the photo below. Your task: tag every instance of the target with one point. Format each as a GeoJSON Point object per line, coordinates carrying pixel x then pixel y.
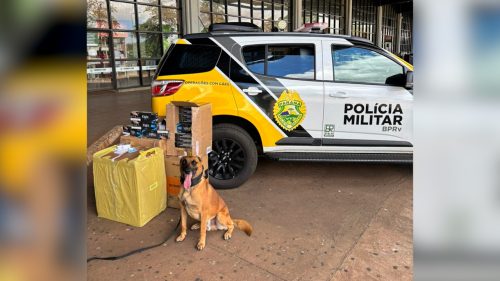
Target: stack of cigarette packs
{"type": "Point", "coordinates": [146, 125]}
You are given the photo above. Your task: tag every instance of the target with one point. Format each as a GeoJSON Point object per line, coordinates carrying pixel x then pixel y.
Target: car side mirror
{"type": "Point", "coordinates": [409, 80]}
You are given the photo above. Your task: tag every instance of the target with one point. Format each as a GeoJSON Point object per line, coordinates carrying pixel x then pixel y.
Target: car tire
{"type": "Point", "coordinates": [233, 158]}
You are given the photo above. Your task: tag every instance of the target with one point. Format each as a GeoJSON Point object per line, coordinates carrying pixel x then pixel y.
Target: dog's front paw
{"type": "Point", "coordinates": [181, 237]}
{"type": "Point", "coordinates": [200, 245]}
{"type": "Point", "coordinates": [227, 235]}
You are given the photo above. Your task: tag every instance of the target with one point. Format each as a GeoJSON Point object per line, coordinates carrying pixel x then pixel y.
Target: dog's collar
{"type": "Point", "coordinates": [196, 180]}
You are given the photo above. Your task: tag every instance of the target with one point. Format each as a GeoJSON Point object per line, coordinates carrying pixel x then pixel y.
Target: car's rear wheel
{"type": "Point", "coordinates": [233, 158]}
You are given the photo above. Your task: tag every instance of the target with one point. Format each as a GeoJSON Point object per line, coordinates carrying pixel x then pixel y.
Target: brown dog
{"type": "Point", "coordinates": [200, 200]}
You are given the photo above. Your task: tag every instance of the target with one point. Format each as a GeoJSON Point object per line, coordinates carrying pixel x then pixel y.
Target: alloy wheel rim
{"type": "Point", "coordinates": [226, 160]}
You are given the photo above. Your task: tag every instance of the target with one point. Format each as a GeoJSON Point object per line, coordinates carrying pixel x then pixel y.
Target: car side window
{"type": "Point", "coordinates": [255, 58]}
{"type": "Point", "coordinates": [187, 59]}
{"type": "Point", "coordinates": [291, 61]}
{"type": "Point", "coordinates": [283, 60]}
{"type": "Point", "coordinates": [360, 65]}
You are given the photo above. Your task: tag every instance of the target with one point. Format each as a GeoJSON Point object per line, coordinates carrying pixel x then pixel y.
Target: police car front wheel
{"type": "Point", "coordinates": [233, 158]}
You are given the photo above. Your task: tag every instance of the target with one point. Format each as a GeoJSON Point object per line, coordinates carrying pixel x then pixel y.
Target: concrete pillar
{"type": "Point", "coordinates": [378, 31]}
{"type": "Point", "coordinates": [348, 17]}
{"type": "Point", "coordinates": [190, 13]}
{"type": "Point", "coordinates": [297, 14]}
{"type": "Point", "coordinates": [399, 23]}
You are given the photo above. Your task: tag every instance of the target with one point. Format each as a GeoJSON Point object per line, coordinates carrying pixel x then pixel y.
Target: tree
{"type": "Point", "coordinates": [97, 13]}
{"type": "Point", "coordinates": [152, 41]}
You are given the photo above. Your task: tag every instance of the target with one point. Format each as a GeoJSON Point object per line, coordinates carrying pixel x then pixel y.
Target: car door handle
{"type": "Point", "coordinates": [341, 95]}
{"type": "Point", "coordinates": [252, 91]}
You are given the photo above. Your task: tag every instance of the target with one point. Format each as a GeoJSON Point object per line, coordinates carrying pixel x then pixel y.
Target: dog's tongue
{"type": "Point", "coordinates": [187, 181]}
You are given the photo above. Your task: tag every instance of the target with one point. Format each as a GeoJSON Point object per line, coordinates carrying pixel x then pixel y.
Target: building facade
{"type": "Point", "coordinates": [126, 38]}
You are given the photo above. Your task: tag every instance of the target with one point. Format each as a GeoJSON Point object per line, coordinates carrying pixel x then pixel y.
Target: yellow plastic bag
{"type": "Point", "coordinates": [131, 191]}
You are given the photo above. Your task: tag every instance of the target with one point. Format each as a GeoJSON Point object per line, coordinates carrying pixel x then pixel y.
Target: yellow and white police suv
{"type": "Point", "coordinates": [290, 96]}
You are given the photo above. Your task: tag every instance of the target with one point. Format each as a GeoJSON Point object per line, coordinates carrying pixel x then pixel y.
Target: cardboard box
{"type": "Point", "coordinates": [130, 188]}
{"type": "Point", "coordinates": [172, 166]}
{"type": "Point", "coordinates": [200, 134]}
{"type": "Point", "coordinates": [190, 127]}
{"type": "Point", "coordinates": [173, 170]}
{"type": "Point", "coordinates": [145, 142]}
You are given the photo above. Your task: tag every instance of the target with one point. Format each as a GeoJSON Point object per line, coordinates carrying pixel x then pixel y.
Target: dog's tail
{"type": "Point", "coordinates": [243, 225]}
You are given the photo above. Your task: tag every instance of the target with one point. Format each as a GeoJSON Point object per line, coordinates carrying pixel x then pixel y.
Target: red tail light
{"type": "Point", "coordinates": [165, 87]}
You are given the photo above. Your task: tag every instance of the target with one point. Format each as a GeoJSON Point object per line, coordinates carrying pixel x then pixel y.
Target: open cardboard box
{"type": "Point", "coordinates": [201, 143]}
{"type": "Point", "coordinates": [201, 129]}
{"type": "Point", "coordinates": [145, 142]}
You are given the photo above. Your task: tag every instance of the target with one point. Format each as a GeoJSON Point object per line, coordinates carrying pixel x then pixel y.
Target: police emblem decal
{"type": "Point", "coordinates": [289, 110]}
